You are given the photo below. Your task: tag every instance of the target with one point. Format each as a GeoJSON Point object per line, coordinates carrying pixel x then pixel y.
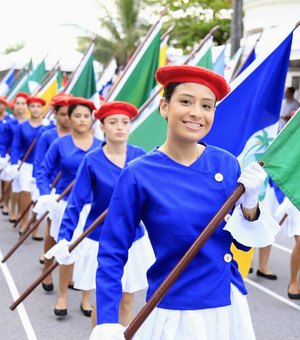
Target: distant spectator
{"type": "Point", "coordinates": [289, 104]}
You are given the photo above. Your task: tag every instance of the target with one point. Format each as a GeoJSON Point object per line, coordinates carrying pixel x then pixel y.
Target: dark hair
{"type": "Point", "coordinates": [169, 90]}
{"type": "Point", "coordinates": [291, 89]}
{"type": "Point", "coordinates": [72, 107]}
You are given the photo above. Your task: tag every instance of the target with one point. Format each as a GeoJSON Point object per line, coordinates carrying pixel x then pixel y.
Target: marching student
{"type": "Point", "coordinates": [95, 182]}
{"type": "Point", "coordinates": [176, 190]}
{"type": "Point", "coordinates": [26, 133]}
{"type": "Point", "coordinates": [4, 159]}
{"type": "Point", "coordinates": [62, 127]}
{"type": "Point", "coordinates": [66, 154]}
{"type": "Point", "coordinates": [19, 107]}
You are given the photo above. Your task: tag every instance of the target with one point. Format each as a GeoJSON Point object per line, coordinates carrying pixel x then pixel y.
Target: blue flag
{"type": "Point", "coordinates": [7, 82]}
{"type": "Point", "coordinates": [219, 64]}
{"type": "Point", "coordinates": [246, 120]}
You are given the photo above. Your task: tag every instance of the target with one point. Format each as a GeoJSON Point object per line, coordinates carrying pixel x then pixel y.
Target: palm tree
{"type": "Point", "coordinates": [121, 32]}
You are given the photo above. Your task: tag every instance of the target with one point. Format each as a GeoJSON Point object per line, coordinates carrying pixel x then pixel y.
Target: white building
{"type": "Point", "coordinates": [262, 15]}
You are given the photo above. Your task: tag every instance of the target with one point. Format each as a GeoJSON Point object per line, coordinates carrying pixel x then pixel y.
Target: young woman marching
{"type": "Point", "coordinates": [62, 128]}
{"type": "Point", "coordinates": [176, 190]}
{"type": "Point", "coordinates": [24, 136]}
{"type": "Point", "coordinates": [66, 154]}
{"type": "Point", "coordinates": [4, 158]}
{"type": "Point", "coordinates": [95, 182]}
{"type": "Point", "coordinates": [19, 110]}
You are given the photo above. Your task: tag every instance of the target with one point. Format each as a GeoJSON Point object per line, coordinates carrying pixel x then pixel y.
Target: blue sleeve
{"type": "Point", "coordinates": [41, 151]}
{"type": "Point", "coordinates": [16, 146]}
{"type": "Point", "coordinates": [3, 141]}
{"type": "Point", "coordinates": [80, 195]}
{"type": "Point", "coordinates": [116, 238]}
{"type": "Point", "coordinates": [49, 165]}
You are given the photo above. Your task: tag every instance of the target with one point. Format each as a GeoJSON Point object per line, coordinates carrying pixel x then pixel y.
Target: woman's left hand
{"type": "Point", "coordinates": [252, 177]}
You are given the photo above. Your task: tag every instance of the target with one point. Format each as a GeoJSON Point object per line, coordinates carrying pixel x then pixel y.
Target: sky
{"type": "Point", "coordinates": [41, 24]}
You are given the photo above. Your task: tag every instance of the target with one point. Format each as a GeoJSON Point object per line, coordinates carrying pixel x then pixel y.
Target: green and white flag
{"type": "Point", "coordinates": [204, 57]}
{"type": "Point", "coordinates": [22, 83]}
{"type": "Point", "coordinates": [83, 81]}
{"type": "Point", "coordinates": [282, 158]}
{"type": "Point", "coordinates": [36, 77]}
{"type": "Point", "coordinates": [138, 80]}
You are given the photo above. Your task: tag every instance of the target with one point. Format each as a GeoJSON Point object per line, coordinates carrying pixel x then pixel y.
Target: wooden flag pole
{"type": "Point", "coordinates": [35, 225]}
{"type": "Point", "coordinates": [183, 263]}
{"type": "Point", "coordinates": [49, 270]}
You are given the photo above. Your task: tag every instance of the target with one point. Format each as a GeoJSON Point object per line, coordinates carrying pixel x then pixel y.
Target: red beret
{"type": "Point", "coordinates": [61, 99]}
{"type": "Point", "coordinates": [11, 104]}
{"type": "Point", "coordinates": [116, 107]}
{"type": "Point", "coordinates": [37, 100]}
{"type": "Point", "coordinates": [193, 74]}
{"type": "Point", "coordinates": [3, 100]}
{"type": "Point", "coordinates": [22, 94]}
{"type": "Point", "coordinates": [82, 101]}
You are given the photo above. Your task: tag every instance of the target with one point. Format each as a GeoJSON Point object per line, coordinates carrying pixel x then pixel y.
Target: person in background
{"type": "Point", "coordinates": [289, 104]}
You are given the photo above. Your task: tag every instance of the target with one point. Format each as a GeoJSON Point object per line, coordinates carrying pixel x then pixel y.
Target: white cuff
{"type": "Point", "coordinates": [108, 331]}
{"type": "Point", "coordinates": [257, 234]}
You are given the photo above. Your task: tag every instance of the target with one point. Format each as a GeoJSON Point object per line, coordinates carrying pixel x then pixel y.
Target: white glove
{"type": "Point", "coordinates": [252, 177]}
{"type": "Point", "coordinates": [61, 253]}
{"type": "Point", "coordinates": [46, 203]}
{"type": "Point", "coordinates": [45, 121]}
{"type": "Point", "coordinates": [108, 331]}
{"type": "Point", "coordinates": [3, 163]}
{"type": "Point", "coordinates": [35, 194]}
{"type": "Point", "coordinates": [12, 171]}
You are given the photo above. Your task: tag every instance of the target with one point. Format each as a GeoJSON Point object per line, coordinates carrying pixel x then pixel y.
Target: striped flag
{"type": "Point", "coordinates": [7, 82]}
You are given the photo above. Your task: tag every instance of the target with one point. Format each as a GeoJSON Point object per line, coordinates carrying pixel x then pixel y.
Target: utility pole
{"type": "Point", "coordinates": [236, 28]}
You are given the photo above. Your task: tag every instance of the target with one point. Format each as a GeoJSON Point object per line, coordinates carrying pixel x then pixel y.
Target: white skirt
{"type": "Point", "coordinates": [140, 258]}
{"type": "Point", "coordinates": [231, 322]}
{"type": "Point", "coordinates": [56, 220]}
{"type": "Point", "coordinates": [24, 181]}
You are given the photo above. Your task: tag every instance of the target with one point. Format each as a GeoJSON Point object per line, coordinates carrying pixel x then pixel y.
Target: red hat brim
{"type": "Point", "coordinates": [82, 101]}
{"type": "Point", "coordinates": [36, 100]}
{"type": "Point", "coordinates": [116, 107]}
{"type": "Point", "coordinates": [3, 100]}
{"type": "Point", "coordinates": [166, 75]}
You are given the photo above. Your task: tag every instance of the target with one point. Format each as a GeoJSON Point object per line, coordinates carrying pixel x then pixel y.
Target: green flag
{"type": "Point", "coordinates": [138, 81]}
{"type": "Point", "coordinates": [281, 160]}
{"type": "Point", "coordinates": [204, 57]}
{"type": "Point", "coordinates": [36, 77]}
{"type": "Point", "coordinates": [22, 83]}
{"type": "Point", "coordinates": [148, 130]}
{"type": "Point", "coordinates": [83, 81]}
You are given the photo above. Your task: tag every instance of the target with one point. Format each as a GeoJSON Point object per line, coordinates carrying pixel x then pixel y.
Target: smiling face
{"type": "Point", "coordinates": [81, 119]}
{"type": "Point", "coordinates": [116, 128]}
{"type": "Point", "coordinates": [190, 112]}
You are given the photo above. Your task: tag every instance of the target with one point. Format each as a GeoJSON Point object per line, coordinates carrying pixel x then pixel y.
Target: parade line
{"type": "Point", "coordinates": [15, 295]}
{"type": "Point", "coordinates": [271, 293]}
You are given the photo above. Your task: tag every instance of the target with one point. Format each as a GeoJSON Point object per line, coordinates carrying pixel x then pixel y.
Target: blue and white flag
{"type": "Point", "coordinates": [219, 64]}
{"type": "Point", "coordinates": [7, 82]}
{"type": "Point", "coordinates": [246, 120]}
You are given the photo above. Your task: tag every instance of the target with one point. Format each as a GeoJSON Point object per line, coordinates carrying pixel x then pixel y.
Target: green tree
{"type": "Point", "coordinates": [14, 48]}
{"type": "Point", "coordinates": [194, 18]}
{"type": "Point", "coordinates": [122, 31]}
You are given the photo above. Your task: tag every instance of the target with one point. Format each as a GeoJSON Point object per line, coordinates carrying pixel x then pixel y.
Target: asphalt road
{"type": "Point", "coordinates": [274, 315]}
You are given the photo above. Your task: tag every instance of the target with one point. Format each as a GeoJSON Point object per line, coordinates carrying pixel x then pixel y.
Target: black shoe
{"type": "Point", "coordinates": [250, 270]}
{"type": "Point", "coordinates": [86, 312]}
{"type": "Point", "coordinates": [41, 260]}
{"type": "Point", "coordinates": [266, 276]}
{"type": "Point", "coordinates": [292, 295]}
{"type": "Point", "coordinates": [71, 286]}
{"type": "Point", "coordinates": [12, 220]}
{"type": "Point", "coordinates": [37, 238]}
{"type": "Point", "coordinates": [48, 287]}
{"type": "Point", "coordinates": [5, 213]}
{"type": "Point", "coordinates": [60, 312]}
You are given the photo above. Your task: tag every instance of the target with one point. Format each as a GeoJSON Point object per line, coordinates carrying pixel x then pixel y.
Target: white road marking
{"type": "Point", "coordinates": [15, 295]}
{"type": "Point", "coordinates": [271, 293]}
{"type": "Point", "coordinates": [287, 250]}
